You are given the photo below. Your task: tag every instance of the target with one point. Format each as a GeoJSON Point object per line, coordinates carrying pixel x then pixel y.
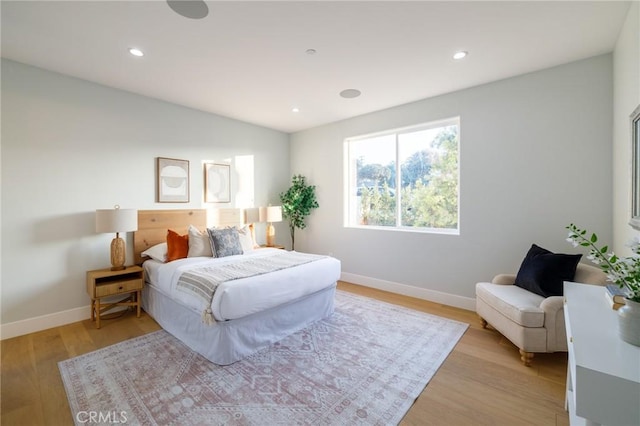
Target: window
{"type": "Point", "coordinates": [404, 179]}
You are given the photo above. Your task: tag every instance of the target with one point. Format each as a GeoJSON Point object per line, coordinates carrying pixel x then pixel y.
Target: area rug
{"type": "Point", "coordinates": [366, 364]}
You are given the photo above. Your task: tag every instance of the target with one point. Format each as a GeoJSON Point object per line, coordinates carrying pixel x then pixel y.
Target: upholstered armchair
{"type": "Point", "coordinates": [532, 322]}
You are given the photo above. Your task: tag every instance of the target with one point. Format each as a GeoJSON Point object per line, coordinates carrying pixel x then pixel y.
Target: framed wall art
{"type": "Point", "coordinates": [172, 176]}
{"type": "Point", "coordinates": [217, 183]}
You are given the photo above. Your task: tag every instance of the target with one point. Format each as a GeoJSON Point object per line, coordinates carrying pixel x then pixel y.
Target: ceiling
{"type": "Point", "coordinates": [248, 60]}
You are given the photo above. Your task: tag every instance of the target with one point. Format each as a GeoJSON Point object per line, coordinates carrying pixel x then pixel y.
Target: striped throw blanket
{"type": "Point", "coordinates": [203, 281]}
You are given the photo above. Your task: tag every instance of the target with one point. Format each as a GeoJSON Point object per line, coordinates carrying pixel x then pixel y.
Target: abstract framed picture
{"type": "Point", "coordinates": [217, 183]}
{"type": "Point", "coordinates": [172, 180]}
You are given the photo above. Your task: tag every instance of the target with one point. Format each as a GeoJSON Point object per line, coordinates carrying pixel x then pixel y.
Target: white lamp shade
{"type": "Point", "coordinates": [252, 215]}
{"type": "Point", "coordinates": [271, 214]}
{"type": "Point", "coordinates": [116, 220]}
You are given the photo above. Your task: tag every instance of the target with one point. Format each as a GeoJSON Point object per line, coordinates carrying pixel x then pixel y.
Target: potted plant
{"type": "Point", "coordinates": [623, 271]}
{"type": "Point", "coordinates": [297, 203]}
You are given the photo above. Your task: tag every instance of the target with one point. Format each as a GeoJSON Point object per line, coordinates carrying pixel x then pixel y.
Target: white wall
{"type": "Point", "coordinates": [70, 147]}
{"type": "Point", "coordinates": [626, 80]}
{"type": "Point", "coordinates": [535, 156]}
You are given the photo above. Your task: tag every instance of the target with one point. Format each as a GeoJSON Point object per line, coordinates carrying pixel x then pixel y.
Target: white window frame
{"type": "Point", "coordinates": [350, 177]}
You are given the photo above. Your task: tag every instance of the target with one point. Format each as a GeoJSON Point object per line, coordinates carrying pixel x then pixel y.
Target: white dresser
{"type": "Point", "coordinates": [603, 377]}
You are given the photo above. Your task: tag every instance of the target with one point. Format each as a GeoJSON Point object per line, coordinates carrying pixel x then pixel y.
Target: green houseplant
{"type": "Point", "coordinates": [623, 271]}
{"type": "Point", "coordinates": [297, 203]}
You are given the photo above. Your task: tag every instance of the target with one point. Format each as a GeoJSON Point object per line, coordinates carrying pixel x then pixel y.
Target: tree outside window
{"type": "Point", "coordinates": [422, 193]}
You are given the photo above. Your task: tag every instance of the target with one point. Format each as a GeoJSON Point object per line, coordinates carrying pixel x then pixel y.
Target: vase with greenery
{"type": "Point", "coordinates": [297, 203]}
{"type": "Point", "coordinates": [623, 271]}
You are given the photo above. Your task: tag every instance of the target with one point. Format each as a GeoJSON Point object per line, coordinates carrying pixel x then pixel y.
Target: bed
{"type": "Point", "coordinates": [246, 314]}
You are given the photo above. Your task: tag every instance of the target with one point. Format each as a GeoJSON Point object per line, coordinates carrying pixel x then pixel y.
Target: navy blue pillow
{"type": "Point", "coordinates": [543, 272]}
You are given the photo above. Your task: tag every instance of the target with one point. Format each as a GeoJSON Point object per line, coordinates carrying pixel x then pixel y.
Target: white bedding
{"type": "Point", "coordinates": [242, 297]}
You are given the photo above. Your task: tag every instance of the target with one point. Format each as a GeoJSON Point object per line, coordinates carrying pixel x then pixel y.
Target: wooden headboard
{"type": "Point", "coordinates": [153, 226]}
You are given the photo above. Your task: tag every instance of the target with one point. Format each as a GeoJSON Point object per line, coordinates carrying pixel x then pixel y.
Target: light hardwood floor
{"type": "Point", "coordinates": [482, 382]}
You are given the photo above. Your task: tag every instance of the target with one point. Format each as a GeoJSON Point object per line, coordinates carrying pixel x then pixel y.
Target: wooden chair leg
{"type": "Point", "coordinates": [526, 357]}
{"type": "Point", "coordinates": [483, 322]}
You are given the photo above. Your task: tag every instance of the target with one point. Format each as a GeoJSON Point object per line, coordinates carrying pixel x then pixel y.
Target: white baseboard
{"type": "Point", "coordinates": [409, 290]}
{"type": "Point", "coordinates": [31, 325]}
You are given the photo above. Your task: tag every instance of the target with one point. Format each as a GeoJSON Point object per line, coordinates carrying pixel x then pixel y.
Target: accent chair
{"type": "Point", "coordinates": [533, 323]}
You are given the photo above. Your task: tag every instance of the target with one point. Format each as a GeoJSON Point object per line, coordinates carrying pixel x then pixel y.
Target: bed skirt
{"type": "Point", "coordinates": [226, 342]}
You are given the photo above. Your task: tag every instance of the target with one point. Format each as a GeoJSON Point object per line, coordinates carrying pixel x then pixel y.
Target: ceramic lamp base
{"type": "Point", "coordinates": [271, 235]}
{"type": "Point", "coordinates": [117, 254]}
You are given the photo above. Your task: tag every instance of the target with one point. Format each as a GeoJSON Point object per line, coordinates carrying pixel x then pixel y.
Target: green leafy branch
{"type": "Point", "coordinates": [625, 272]}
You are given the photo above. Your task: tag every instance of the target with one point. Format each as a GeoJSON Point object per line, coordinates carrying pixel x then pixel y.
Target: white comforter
{"type": "Point", "coordinates": [239, 298]}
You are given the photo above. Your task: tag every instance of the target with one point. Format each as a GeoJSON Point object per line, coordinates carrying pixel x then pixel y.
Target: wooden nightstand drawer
{"type": "Point", "coordinates": [103, 290]}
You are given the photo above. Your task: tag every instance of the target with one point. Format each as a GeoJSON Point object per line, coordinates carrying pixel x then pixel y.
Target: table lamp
{"type": "Point", "coordinates": [271, 214]}
{"type": "Point", "coordinates": [117, 220]}
{"type": "Point", "coordinates": [251, 216]}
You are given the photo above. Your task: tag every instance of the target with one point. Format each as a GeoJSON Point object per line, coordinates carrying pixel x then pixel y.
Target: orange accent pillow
{"type": "Point", "coordinates": [177, 245]}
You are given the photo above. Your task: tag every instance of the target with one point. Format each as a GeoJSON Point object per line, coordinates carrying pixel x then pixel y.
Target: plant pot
{"type": "Point", "coordinates": [629, 322]}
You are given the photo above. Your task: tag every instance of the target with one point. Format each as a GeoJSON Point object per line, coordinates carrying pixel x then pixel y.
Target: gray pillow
{"type": "Point", "coordinates": [224, 242]}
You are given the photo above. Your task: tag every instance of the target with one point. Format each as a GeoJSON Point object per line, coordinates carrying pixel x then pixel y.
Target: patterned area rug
{"type": "Point", "coordinates": [366, 364]}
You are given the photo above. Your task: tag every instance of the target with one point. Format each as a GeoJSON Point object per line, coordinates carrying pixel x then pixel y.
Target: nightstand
{"type": "Point", "coordinates": [275, 246]}
{"type": "Point", "coordinates": [105, 282]}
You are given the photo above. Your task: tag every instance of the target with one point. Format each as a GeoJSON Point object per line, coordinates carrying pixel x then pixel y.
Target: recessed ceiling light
{"type": "Point", "coordinates": [194, 9]}
{"type": "Point", "coordinates": [135, 51]}
{"type": "Point", "coordinates": [350, 93]}
{"type": "Point", "coordinates": [310, 51]}
{"type": "Point", "coordinates": [459, 55]}
{"type": "Point", "coordinates": [295, 109]}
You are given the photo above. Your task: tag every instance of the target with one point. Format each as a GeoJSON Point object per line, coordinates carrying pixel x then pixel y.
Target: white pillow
{"type": "Point", "coordinates": [246, 239]}
{"type": "Point", "coordinates": [157, 252]}
{"type": "Point", "coordinates": [199, 244]}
